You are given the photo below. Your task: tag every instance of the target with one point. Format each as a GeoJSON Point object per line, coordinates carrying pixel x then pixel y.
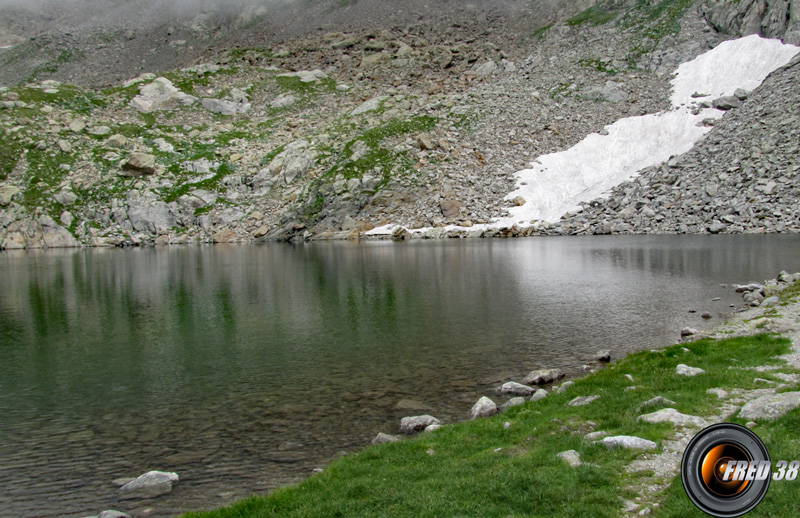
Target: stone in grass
{"type": "Point", "coordinates": [770, 407]}
{"type": "Point", "coordinates": [139, 164]}
{"type": "Point", "coordinates": [514, 401]}
{"type": "Point", "coordinates": [516, 389]}
{"type": "Point", "coordinates": [417, 423]}
{"type": "Point", "coordinates": [149, 485]}
{"type": "Point", "coordinates": [564, 387]}
{"type": "Point", "coordinates": [432, 427]}
{"type": "Point", "coordinates": [720, 393]}
{"type": "Point", "coordinates": [595, 436]}
{"type": "Point", "coordinates": [628, 442]}
{"type": "Point", "coordinates": [543, 376]}
{"type": "Point", "coordinates": [583, 400]}
{"type": "Point", "coordinates": [539, 394]}
{"type": "Point", "coordinates": [670, 415]}
{"type": "Point", "coordinates": [685, 370]}
{"type": "Point", "coordinates": [658, 400]}
{"type": "Point", "coordinates": [571, 457]}
{"type": "Point", "coordinates": [382, 438]}
{"type": "Point", "coordinates": [485, 407]}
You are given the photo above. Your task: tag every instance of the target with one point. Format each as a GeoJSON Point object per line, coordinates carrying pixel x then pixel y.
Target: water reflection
{"type": "Point", "coordinates": [245, 367]}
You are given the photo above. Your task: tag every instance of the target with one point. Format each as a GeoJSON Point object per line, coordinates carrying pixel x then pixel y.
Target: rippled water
{"type": "Point", "coordinates": [243, 368]}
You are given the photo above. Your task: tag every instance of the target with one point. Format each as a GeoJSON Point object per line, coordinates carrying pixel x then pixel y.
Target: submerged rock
{"type": "Point", "coordinates": [149, 485]}
{"type": "Point", "coordinates": [516, 389]}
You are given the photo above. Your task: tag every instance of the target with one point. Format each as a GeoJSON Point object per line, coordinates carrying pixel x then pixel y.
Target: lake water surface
{"type": "Point", "coordinates": [244, 368]}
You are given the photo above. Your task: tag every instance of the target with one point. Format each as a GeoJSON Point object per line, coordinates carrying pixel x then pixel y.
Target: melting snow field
{"type": "Point", "coordinates": [556, 183]}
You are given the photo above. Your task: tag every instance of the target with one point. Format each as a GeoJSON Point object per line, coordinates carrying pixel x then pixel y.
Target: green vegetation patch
{"type": "Point", "coordinates": [10, 151]}
{"type": "Point", "coordinates": [599, 65]}
{"type": "Point", "coordinates": [595, 15]}
{"type": "Point", "coordinates": [68, 97]}
{"type": "Point", "coordinates": [541, 32]}
{"type": "Point", "coordinates": [482, 468]}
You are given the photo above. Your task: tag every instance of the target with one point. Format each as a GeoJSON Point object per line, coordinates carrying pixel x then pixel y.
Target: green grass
{"type": "Point", "coordinates": [479, 468]}
{"type": "Point", "coordinates": [10, 151]}
{"type": "Point", "coordinates": [594, 15]}
{"type": "Point", "coordinates": [541, 32]}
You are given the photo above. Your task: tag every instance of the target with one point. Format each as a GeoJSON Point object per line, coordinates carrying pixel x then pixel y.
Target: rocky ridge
{"type": "Point", "coordinates": [330, 135]}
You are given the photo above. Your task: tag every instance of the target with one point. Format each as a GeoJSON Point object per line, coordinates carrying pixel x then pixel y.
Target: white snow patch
{"type": "Point", "coordinates": [556, 183]}
{"type": "Point", "coordinates": [741, 63]}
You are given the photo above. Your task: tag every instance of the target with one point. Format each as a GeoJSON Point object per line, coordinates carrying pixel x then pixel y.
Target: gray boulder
{"type": "Point", "coordinates": [149, 485]}
{"type": "Point", "coordinates": [628, 442]}
{"type": "Point", "coordinates": [539, 394]}
{"type": "Point", "coordinates": [770, 407]}
{"type": "Point", "coordinates": [516, 389]}
{"type": "Point", "coordinates": [583, 400]}
{"type": "Point", "coordinates": [543, 376]}
{"type": "Point", "coordinates": [514, 401]}
{"type": "Point", "coordinates": [139, 164]}
{"type": "Point", "coordinates": [486, 69]}
{"type": "Point", "coordinates": [685, 370]}
{"type": "Point", "coordinates": [113, 514]}
{"type": "Point", "coordinates": [564, 387]}
{"type": "Point", "coordinates": [670, 415]}
{"type": "Point", "coordinates": [417, 423]}
{"type": "Point", "coordinates": [161, 94]}
{"type": "Point", "coordinates": [147, 214]}
{"type": "Point", "coordinates": [726, 102]}
{"type": "Point", "coordinates": [224, 107]}
{"type": "Point", "coordinates": [7, 192]}
{"type": "Point", "coordinates": [382, 438]}
{"type": "Point", "coordinates": [571, 457]}
{"type": "Point", "coordinates": [485, 407]}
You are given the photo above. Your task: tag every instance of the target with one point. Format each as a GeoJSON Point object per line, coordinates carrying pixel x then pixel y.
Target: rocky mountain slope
{"type": "Point", "coordinates": [354, 119]}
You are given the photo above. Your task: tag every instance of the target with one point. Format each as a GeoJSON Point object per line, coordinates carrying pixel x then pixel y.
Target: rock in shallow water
{"type": "Point", "coordinates": [485, 407]}
{"type": "Point", "coordinates": [149, 485]}
{"type": "Point", "coordinates": [543, 376]}
{"type": "Point", "coordinates": [417, 423]}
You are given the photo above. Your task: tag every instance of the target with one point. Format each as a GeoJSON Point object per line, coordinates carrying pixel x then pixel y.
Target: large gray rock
{"type": "Point", "coordinates": [485, 407]}
{"type": "Point", "coordinates": [516, 389]}
{"type": "Point", "coordinates": [296, 159]}
{"type": "Point", "coordinates": [543, 376]}
{"type": "Point", "coordinates": [514, 401]}
{"type": "Point", "coordinates": [628, 442]}
{"type": "Point", "coordinates": [161, 94]}
{"type": "Point", "coordinates": [7, 192]}
{"type": "Point", "coordinates": [571, 457]}
{"type": "Point", "coordinates": [113, 514]}
{"type": "Point", "coordinates": [769, 18]}
{"type": "Point", "coordinates": [539, 394]}
{"type": "Point", "coordinates": [726, 102]}
{"type": "Point", "coordinates": [417, 423]}
{"type": "Point", "coordinates": [486, 69]}
{"type": "Point", "coordinates": [369, 106]}
{"type": "Point", "coordinates": [770, 407]}
{"type": "Point", "coordinates": [670, 415]}
{"type": "Point", "coordinates": [148, 214]}
{"type": "Point", "coordinates": [149, 485]}
{"type": "Point", "coordinates": [306, 76]}
{"type": "Point", "coordinates": [139, 164]}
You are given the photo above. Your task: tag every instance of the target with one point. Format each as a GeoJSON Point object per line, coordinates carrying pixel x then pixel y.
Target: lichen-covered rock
{"type": "Point", "coordinates": [484, 407]}
{"type": "Point", "coordinates": [770, 407]}
{"type": "Point", "coordinates": [149, 485]}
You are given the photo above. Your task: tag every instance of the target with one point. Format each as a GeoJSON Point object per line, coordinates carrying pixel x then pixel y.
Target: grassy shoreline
{"type": "Point", "coordinates": [507, 465]}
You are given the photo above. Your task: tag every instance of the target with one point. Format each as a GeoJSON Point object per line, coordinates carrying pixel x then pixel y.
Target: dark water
{"type": "Point", "coordinates": [243, 368]}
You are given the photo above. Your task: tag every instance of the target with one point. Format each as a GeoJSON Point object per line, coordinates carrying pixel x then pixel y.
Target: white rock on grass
{"type": "Point", "coordinates": [161, 94]}
{"type": "Point", "coordinates": [432, 427]}
{"type": "Point", "coordinates": [583, 400]}
{"type": "Point", "coordinates": [670, 415]}
{"type": "Point", "coordinates": [516, 389]}
{"type": "Point", "coordinates": [770, 407]}
{"type": "Point", "coordinates": [514, 401]}
{"type": "Point", "coordinates": [382, 438]}
{"type": "Point", "coordinates": [149, 485]}
{"type": "Point", "coordinates": [368, 106]}
{"type": "Point", "coordinates": [571, 457]}
{"type": "Point", "coordinates": [658, 400]}
{"type": "Point", "coordinates": [564, 387]}
{"type": "Point", "coordinates": [306, 76]}
{"type": "Point", "coordinates": [595, 436]}
{"type": "Point", "coordinates": [685, 370]}
{"type": "Point", "coordinates": [417, 423]}
{"type": "Point", "coordinates": [628, 442]}
{"type": "Point", "coordinates": [485, 407]}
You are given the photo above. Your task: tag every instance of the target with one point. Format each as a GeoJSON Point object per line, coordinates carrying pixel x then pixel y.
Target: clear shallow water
{"type": "Point", "coordinates": [243, 368]}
